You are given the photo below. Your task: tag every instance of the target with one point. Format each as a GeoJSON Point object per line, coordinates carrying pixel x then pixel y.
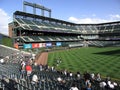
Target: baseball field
{"type": "Point", "coordinates": [105, 60]}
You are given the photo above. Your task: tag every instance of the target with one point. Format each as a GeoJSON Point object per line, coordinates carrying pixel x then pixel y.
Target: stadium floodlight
{"type": "Point", "coordinates": [34, 5]}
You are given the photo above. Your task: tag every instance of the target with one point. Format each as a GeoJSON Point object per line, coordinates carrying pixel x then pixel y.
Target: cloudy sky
{"type": "Point", "coordinates": [77, 11]}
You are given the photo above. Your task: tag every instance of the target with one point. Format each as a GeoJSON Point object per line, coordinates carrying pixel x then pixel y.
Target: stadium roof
{"type": "Point", "coordinates": [56, 20]}
{"type": "Point", "coordinates": [40, 17]}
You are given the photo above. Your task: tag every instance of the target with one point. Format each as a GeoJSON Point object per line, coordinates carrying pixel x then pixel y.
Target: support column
{"type": "Point", "coordinates": [42, 12]}
{"type": "Point", "coordinates": [50, 13]}
{"type": "Point", "coordinates": [34, 10]}
{"type": "Point", "coordinates": [24, 8]}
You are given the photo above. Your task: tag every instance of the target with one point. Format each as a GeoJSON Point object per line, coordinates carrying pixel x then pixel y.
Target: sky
{"type": "Point", "coordinates": [76, 11]}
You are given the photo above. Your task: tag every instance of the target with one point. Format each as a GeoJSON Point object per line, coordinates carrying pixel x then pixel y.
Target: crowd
{"type": "Point", "coordinates": [30, 69]}
{"type": "Point", "coordinates": [88, 78]}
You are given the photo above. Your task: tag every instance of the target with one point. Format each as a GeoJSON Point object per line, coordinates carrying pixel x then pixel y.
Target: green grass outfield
{"type": "Point", "coordinates": [105, 60]}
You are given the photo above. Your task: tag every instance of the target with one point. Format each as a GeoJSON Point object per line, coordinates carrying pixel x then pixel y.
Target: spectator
{"type": "Point", "coordinates": [111, 85]}
{"type": "Point", "coordinates": [98, 77]}
{"type": "Point", "coordinates": [74, 87]}
{"type": "Point", "coordinates": [9, 84]}
{"type": "Point", "coordinates": [71, 75]}
{"type": "Point", "coordinates": [93, 76]}
{"type": "Point", "coordinates": [59, 79]}
{"type": "Point", "coordinates": [103, 84]}
{"type": "Point", "coordinates": [28, 70]}
{"type": "Point", "coordinates": [23, 69]}
{"type": "Point", "coordinates": [87, 76]}
{"type": "Point", "coordinates": [34, 79]}
{"type": "Point", "coordinates": [78, 75]}
{"type": "Point", "coordinates": [2, 61]}
{"type": "Point", "coordinates": [23, 63]}
{"type": "Point", "coordinates": [35, 63]}
{"type": "Point", "coordinates": [40, 67]}
{"type": "Point", "coordinates": [88, 84]}
{"type": "Point", "coordinates": [52, 68]}
{"type": "Point", "coordinates": [65, 72]}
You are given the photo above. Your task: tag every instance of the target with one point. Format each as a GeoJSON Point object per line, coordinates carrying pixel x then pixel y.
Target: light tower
{"type": "Point", "coordinates": [36, 6]}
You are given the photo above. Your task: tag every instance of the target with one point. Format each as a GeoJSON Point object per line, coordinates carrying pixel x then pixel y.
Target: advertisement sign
{"type": "Point", "coordinates": [35, 45]}
{"type": "Point", "coordinates": [25, 46]}
{"type": "Point", "coordinates": [16, 45]}
{"type": "Point", "coordinates": [40, 45]}
{"type": "Point", "coordinates": [58, 43]}
{"type": "Point", "coordinates": [43, 44]}
{"type": "Point", "coordinates": [48, 44]}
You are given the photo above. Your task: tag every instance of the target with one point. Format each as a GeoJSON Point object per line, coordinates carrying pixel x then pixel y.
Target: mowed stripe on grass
{"type": "Point", "coordinates": [90, 59]}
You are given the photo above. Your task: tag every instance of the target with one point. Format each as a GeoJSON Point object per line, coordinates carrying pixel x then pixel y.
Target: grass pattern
{"type": "Point", "coordinates": [103, 60]}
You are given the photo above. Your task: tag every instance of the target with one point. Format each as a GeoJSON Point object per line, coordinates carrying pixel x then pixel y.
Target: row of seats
{"type": "Point", "coordinates": [36, 25]}
{"type": "Point", "coordinates": [49, 38]}
{"type": "Point", "coordinates": [82, 29]}
{"type": "Point", "coordinates": [48, 80]}
{"type": "Point", "coordinates": [7, 51]}
{"type": "Point", "coordinates": [11, 55]}
{"type": "Point", "coordinates": [103, 43]}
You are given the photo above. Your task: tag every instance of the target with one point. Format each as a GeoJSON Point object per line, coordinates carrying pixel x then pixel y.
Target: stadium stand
{"type": "Point", "coordinates": [48, 79]}
{"type": "Point", "coordinates": [40, 29]}
{"type": "Point", "coordinates": [12, 78]}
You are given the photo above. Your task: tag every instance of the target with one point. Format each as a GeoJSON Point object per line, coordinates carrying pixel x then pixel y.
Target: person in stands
{"type": "Point", "coordinates": [98, 77]}
{"type": "Point", "coordinates": [9, 84]}
{"type": "Point", "coordinates": [2, 61]}
{"type": "Point", "coordinates": [74, 87]}
{"type": "Point", "coordinates": [23, 64]}
{"type": "Point", "coordinates": [28, 69]}
{"type": "Point", "coordinates": [88, 84]}
{"type": "Point", "coordinates": [34, 79]}
{"type": "Point", "coordinates": [87, 76]}
{"type": "Point", "coordinates": [78, 75]}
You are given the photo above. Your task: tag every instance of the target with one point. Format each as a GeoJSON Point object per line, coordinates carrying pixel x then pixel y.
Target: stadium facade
{"type": "Point", "coordinates": [36, 31]}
